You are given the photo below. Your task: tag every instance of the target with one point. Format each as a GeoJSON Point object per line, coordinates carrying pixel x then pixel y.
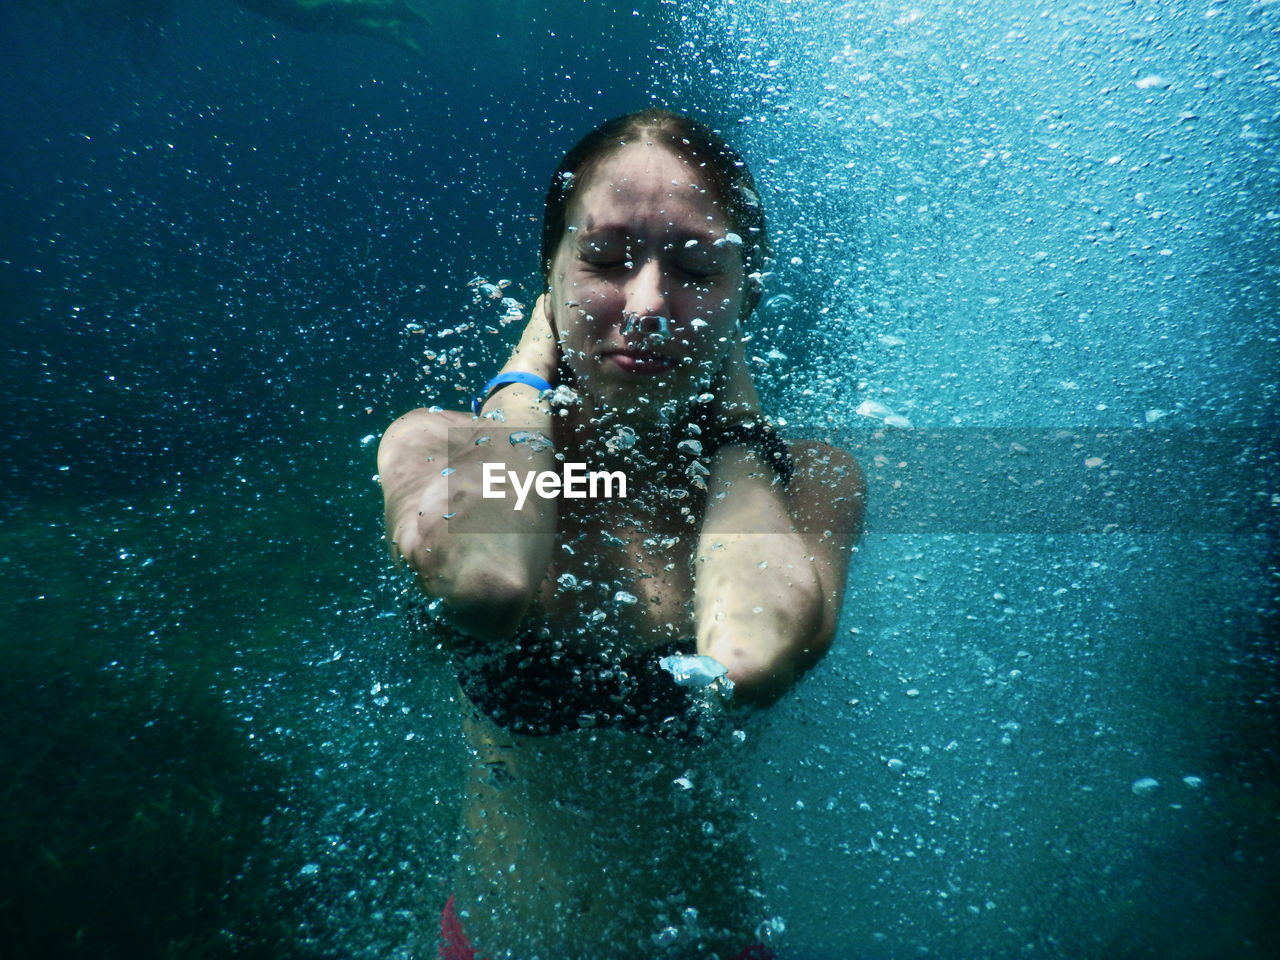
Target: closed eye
{"type": "Point", "coordinates": [699, 275]}
{"type": "Point", "coordinates": [699, 267]}
{"type": "Point", "coordinates": [600, 263]}
{"type": "Point", "coordinates": [696, 261]}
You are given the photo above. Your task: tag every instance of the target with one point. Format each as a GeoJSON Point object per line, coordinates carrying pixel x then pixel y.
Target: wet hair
{"type": "Point", "coordinates": [724, 170]}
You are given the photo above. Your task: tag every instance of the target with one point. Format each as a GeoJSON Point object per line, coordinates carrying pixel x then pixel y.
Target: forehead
{"type": "Point", "coordinates": [646, 185]}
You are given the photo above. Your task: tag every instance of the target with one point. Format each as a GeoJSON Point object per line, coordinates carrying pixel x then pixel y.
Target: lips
{"type": "Point", "coordinates": [639, 362]}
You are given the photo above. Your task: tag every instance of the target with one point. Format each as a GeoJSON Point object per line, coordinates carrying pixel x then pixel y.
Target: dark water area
{"type": "Point", "coordinates": [243, 217]}
{"type": "Point", "coordinates": [232, 251]}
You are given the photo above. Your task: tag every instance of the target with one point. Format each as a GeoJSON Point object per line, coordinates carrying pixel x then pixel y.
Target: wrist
{"type": "Point", "coordinates": [534, 359]}
{"type": "Point", "coordinates": [514, 398]}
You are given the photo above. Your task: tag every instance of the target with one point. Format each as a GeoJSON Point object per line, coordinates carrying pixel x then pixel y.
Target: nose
{"type": "Point", "coordinates": [652, 328]}
{"type": "Point", "coordinates": [647, 294]}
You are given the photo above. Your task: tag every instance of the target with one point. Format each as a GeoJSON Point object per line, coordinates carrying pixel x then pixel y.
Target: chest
{"type": "Point", "coordinates": [621, 575]}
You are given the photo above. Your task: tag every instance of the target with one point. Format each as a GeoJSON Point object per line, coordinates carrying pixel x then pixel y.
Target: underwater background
{"type": "Point", "coordinates": [1026, 269]}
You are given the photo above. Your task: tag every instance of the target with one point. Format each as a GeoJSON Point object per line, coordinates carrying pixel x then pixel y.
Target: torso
{"type": "Point", "coordinates": [588, 844]}
{"type": "Point", "coordinates": [594, 840]}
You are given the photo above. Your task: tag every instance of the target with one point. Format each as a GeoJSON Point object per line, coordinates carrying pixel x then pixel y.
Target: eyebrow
{"type": "Point", "coordinates": [622, 231]}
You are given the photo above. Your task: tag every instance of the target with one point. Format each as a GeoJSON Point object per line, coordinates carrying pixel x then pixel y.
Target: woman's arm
{"type": "Point", "coordinates": [482, 557]}
{"type": "Point", "coordinates": [771, 561]}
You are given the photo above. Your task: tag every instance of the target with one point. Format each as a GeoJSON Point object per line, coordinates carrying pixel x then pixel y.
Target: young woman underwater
{"type": "Point", "coordinates": [602, 817]}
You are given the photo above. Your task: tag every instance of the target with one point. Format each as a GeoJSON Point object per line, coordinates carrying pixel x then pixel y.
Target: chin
{"type": "Point", "coordinates": [639, 400]}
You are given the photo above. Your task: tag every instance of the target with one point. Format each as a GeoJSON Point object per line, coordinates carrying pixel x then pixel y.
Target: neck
{"type": "Point", "coordinates": [646, 450]}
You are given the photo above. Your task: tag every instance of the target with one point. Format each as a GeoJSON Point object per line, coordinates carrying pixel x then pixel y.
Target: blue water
{"type": "Point", "coordinates": [227, 245]}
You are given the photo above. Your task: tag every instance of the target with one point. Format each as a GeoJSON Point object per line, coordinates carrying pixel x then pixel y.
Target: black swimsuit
{"type": "Point", "coordinates": [546, 686]}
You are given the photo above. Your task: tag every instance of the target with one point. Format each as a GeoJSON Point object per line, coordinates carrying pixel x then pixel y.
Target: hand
{"type": "Point", "coordinates": [735, 393]}
{"type": "Point", "coordinates": [537, 352]}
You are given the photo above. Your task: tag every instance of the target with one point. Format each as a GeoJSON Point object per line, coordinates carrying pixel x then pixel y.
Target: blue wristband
{"type": "Point", "coordinates": [502, 379]}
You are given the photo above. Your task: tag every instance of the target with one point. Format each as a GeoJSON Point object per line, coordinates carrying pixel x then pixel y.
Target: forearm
{"type": "Point", "coordinates": [758, 601]}
{"type": "Point", "coordinates": [484, 557]}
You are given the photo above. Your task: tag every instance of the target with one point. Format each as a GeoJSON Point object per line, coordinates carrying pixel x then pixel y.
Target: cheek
{"type": "Point", "coordinates": [717, 312]}
{"type": "Point", "coordinates": [705, 348]}
{"type": "Point", "coordinates": [587, 293]}
{"type": "Point", "coordinates": [586, 308]}
{"type": "Point", "coordinates": [720, 304]}
{"type": "Point", "coordinates": [581, 327]}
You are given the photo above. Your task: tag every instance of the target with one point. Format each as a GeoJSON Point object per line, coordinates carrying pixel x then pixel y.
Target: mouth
{"type": "Point", "coordinates": [642, 363]}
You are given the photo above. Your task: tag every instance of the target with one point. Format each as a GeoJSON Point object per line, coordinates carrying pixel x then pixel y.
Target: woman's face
{"type": "Point", "coordinates": [648, 282]}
